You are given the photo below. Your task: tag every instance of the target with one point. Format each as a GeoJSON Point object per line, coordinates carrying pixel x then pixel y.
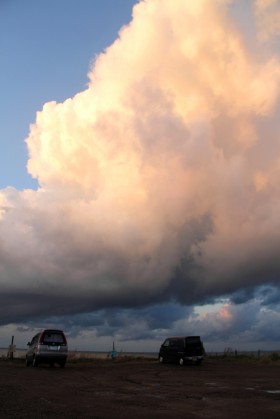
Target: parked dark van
{"type": "Point", "coordinates": [182, 350]}
{"type": "Point", "coordinates": [47, 347]}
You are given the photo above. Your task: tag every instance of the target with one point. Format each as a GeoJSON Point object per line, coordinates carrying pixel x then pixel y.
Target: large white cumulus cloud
{"type": "Point", "coordinates": [161, 180]}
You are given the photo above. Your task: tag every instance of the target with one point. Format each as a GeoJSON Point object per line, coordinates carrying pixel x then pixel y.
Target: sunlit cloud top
{"type": "Point", "coordinates": [160, 181]}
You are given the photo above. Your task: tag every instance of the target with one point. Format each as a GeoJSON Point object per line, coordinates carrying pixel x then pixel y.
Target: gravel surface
{"type": "Point", "coordinates": [141, 389]}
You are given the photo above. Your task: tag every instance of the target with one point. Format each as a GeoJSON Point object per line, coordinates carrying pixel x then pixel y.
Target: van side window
{"type": "Point", "coordinates": [180, 343]}
{"type": "Point", "coordinates": [177, 343]}
{"type": "Point", "coordinates": [34, 340]}
{"type": "Point", "coordinates": [193, 341]}
{"type": "Point", "coordinates": [166, 343]}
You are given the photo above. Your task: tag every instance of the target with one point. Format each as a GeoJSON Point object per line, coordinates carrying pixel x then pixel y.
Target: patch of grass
{"type": "Point", "coordinates": [79, 358]}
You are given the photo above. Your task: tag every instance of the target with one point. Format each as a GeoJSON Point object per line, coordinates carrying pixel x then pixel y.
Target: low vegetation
{"type": "Point", "coordinates": [259, 356]}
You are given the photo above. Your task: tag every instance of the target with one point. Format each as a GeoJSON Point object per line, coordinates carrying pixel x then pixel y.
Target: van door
{"type": "Point", "coordinates": [165, 350]}
{"type": "Point", "coordinates": [177, 348]}
{"type": "Point", "coordinates": [172, 349]}
{"type": "Point", "coordinates": [169, 350]}
{"type": "Point", "coordinates": [193, 347]}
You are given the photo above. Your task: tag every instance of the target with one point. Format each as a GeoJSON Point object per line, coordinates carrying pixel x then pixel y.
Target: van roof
{"type": "Point", "coordinates": [183, 337]}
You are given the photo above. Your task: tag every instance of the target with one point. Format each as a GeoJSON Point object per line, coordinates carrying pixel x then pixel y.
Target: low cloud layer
{"type": "Point", "coordinates": [159, 183]}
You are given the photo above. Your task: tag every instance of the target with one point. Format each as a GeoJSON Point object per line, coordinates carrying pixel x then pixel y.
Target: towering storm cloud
{"type": "Point", "coordinates": [160, 181]}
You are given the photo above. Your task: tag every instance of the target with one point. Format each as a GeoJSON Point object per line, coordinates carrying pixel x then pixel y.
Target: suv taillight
{"type": "Point", "coordinates": [41, 340]}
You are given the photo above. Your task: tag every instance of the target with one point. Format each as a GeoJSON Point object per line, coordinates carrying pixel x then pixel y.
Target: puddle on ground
{"type": "Point", "coordinates": [273, 391]}
{"type": "Point", "coordinates": [266, 391]}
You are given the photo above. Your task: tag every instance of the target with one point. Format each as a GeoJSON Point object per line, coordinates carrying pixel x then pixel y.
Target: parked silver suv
{"type": "Point", "coordinates": [47, 347]}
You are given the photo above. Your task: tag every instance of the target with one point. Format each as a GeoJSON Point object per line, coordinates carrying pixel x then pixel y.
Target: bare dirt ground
{"type": "Point", "coordinates": [141, 389]}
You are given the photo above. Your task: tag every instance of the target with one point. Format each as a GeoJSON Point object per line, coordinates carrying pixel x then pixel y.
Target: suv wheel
{"type": "Point", "coordinates": [35, 362]}
{"type": "Point", "coordinates": [27, 363]}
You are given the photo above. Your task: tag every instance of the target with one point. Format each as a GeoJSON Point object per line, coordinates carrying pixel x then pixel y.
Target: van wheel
{"type": "Point", "coordinates": [35, 362]}
{"type": "Point", "coordinates": [181, 361]}
{"type": "Point", "coordinates": [161, 360]}
{"type": "Point", "coordinates": [27, 363]}
{"type": "Point", "coordinates": [62, 364]}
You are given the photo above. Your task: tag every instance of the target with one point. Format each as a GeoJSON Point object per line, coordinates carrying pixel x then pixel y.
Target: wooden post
{"type": "Point", "coordinates": [114, 352]}
{"type": "Point", "coordinates": [11, 349]}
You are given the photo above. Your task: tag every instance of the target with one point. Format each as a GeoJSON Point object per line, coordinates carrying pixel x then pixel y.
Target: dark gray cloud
{"type": "Point", "coordinates": [247, 325]}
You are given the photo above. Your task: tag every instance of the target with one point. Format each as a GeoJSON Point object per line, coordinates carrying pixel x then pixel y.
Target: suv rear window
{"type": "Point", "coordinates": [51, 337]}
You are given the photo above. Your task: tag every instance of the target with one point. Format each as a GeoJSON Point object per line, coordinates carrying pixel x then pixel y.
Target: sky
{"type": "Point", "coordinates": [139, 172]}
